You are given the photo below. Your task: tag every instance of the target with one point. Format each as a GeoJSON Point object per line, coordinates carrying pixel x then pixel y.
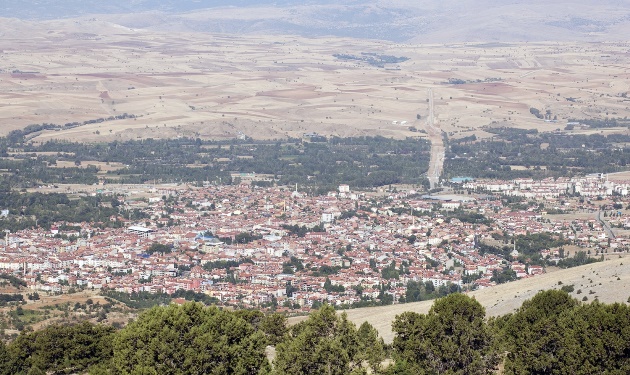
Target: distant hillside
{"type": "Point", "coordinates": [422, 21]}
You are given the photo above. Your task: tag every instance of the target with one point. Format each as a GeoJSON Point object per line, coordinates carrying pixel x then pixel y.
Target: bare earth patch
{"type": "Point", "coordinates": [222, 86]}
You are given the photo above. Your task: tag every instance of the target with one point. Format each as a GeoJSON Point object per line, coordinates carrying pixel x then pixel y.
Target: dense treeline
{"type": "Point", "coordinates": [302, 230]}
{"type": "Point", "coordinates": [529, 247]}
{"type": "Point", "coordinates": [328, 343]}
{"type": "Point", "coordinates": [30, 172]}
{"type": "Point", "coordinates": [579, 259]}
{"type": "Point", "coordinates": [5, 298]}
{"type": "Point", "coordinates": [550, 334]}
{"type": "Point", "coordinates": [605, 123]}
{"type": "Point", "coordinates": [419, 291]}
{"type": "Point", "coordinates": [373, 59]}
{"type": "Point", "coordinates": [145, 300]}
{"type": "Point", "coordinates": [452, 338]}
{"type": "Point", "coordinates": [545, 154]}
{"type": "Point", "coordinates": [28, 209]}
{"type": "Point", "coordinates": [467, 217]}
{"type": "Point", "coordinates": [530, 244]}
{"type": "Point", "coordinates": [189, 340]}
{"type": "Point", "coordinates": [139, 300]}
{"type": "Point", "coordinates": [19, 136]}
{"type": "Point", "coordinates": [554, 333]}
{"type": "Point", "coordinates": [225, 264]}
{"type": "Point", "coordinates": [14, 281]}
{"type": "Point", "coordinates": [360, 161]}
{"type": "Point", "coordinates": [58, 350]}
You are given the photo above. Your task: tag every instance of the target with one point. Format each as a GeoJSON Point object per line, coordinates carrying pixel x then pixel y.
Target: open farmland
{"type": "Point", "coordinates": [217, 86]}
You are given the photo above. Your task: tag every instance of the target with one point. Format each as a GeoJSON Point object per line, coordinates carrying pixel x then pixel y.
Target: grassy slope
{"type": "Point", "coordinates": [600, 278]}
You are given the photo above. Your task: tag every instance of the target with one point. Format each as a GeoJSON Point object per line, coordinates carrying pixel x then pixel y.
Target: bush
{"type": "Point", "coordinates": [567, 288]}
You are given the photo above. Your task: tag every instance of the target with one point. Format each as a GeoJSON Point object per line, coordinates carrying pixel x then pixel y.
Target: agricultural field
{"type": "Point", "coordinates": [100, 83]}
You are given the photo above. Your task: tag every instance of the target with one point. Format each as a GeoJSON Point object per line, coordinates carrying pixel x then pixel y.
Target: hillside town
{"type": "Point", "coordinates": [277, 247]}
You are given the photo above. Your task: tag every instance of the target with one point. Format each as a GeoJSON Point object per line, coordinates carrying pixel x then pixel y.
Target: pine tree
{"type": "Point", "coordinates": [327, 344]}
{"type": "Point", "coordinates": [187, 340]}
{"type": "Point", "coordinates": [554, 333]}
{"type": "Point", "coordinates": [453, 338]}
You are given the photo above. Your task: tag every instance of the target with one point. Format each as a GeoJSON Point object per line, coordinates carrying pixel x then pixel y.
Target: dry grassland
{"type": "Point", "coordinates": [620, 176]}
{"type": "Point", "coordinates": [64, 298]}
{"type": "Point", "coordinates": [222, 86]}
{"type": "Point", "coordinates": [608, 281]}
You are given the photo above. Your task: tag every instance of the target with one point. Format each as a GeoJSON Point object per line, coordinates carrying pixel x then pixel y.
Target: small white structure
{"type": "Point", "coordinates": [328, 217]}
{"type": "Point", "coordinates": [140, 231]}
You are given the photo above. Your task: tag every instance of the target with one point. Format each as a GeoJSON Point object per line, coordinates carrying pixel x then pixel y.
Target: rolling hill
{"type": "Point", "coordinates": [423, 21]}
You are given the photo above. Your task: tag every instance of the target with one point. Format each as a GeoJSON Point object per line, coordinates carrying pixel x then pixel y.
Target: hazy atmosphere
{"type": "Point", "coordinates": [422, 21]}
{"type": "Point", "coordinates": [314, 187]}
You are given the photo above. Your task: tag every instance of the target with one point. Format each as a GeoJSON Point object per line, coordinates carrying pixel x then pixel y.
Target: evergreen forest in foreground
{"type": "Point", "coordinates": [550, 334]}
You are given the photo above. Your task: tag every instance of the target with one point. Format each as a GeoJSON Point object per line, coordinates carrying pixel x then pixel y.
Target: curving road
{"type": "Point", "coordinates": [605, 225]}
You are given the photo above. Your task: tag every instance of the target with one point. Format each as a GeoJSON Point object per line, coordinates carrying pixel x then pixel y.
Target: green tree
{"type": "Point", "coordinates": [532, 334]}
{"type": "Point", "coordinates": [325, 344]}
{"type": "Point", "coordinates": [5, 359]}
{"type": "Point", "coordinates": [35, 371]}
{"type": "Point", "coordinates": [189, 339]}
{"type": "Point", "coordinates": [274, 326]}
{"type": "Point", "coordinates": [506, 275]}
{"type": "Point", "coordinates": [453, 338]}
{"type": "Point", "coordinates": [371, 347]}
{"type": "Point", "coordinates": [253, 317]}
{"type": "Point", "coordinates": [597, 339]}
{"type": "Point", "coordinates": [159, 248]}
{"type": "Point", "coordinates": [390, 272]}
{"type": "Point", "coordinates": [553, 333]}
{"type": "Point", "coordinates": [61, 349]}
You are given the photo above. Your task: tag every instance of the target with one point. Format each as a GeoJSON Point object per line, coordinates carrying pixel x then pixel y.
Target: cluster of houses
{"type": "Point", "coordinates": [589, 186]}
{"type": "Point", "coordinates": [253, 246]}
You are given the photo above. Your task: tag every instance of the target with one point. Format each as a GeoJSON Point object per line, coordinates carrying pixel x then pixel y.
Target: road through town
{"type": "Point", "coordinates": [436, 164]}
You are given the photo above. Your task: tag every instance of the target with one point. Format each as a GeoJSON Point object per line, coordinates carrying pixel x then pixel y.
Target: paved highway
{"type": "Point", "coordinates": [436, 164]}
{"type": "Point", "coordinates": [607, 228]}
